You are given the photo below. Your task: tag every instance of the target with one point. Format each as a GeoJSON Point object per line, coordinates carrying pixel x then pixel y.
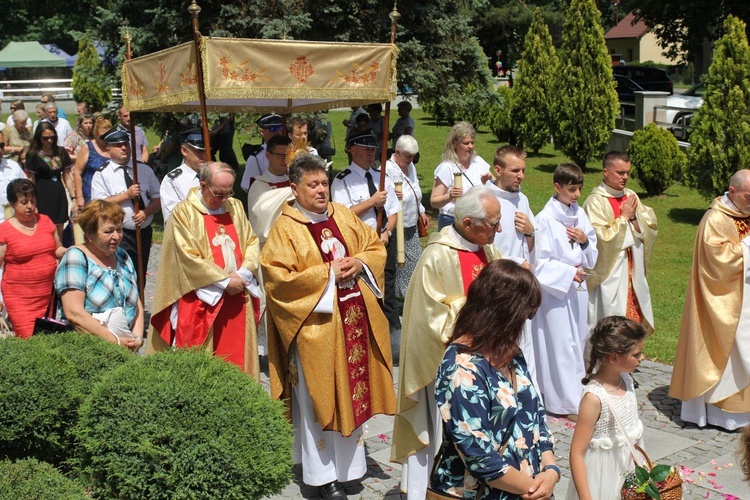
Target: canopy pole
{"type": "Point", "coordinates": [394, 16]}
{"type": "Point", "coordinates": [137, 199]}
{"type": "Point", "coordinates": [194, 9]}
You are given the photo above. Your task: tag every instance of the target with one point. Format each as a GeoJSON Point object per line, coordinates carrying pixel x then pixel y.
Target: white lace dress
{"type": "Point", "coordinates": [608, 456]}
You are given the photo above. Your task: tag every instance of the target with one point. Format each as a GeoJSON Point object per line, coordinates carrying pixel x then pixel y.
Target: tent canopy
{"type": "Point", "coordinates": [258, 76]}
{"type": "Point", "coordinates": [28, 55]}
{"type": "Point", "coordinates": [54, 49]}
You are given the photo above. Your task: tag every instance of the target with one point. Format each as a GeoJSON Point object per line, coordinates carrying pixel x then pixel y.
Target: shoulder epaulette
{"type": "Point", "coordinates": [343, 173]}
{"type": "Point", "coordinates": [249, 150]}
{"type": "Point", "coordinates": [175, 173]}
{"type": "Point", "coordinates": [102, 167]}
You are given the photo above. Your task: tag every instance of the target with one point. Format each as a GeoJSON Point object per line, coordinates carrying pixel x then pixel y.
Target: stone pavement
{"type": "Point", "coordinates": [709, 454]}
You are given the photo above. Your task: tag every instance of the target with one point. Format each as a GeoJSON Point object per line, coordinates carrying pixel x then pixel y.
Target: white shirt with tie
{"type": "Point", "coordinates": [109, 180]}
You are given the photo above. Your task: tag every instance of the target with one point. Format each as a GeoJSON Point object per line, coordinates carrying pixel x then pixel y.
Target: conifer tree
{"type": "Point", "coordinates": [89, 80]}
{"type": "Point", "coordinates": [534, 86]}
{"type": "Point", "coordinates": [721, 127]}
{"type": "Point", "coordinates": [586, 102]}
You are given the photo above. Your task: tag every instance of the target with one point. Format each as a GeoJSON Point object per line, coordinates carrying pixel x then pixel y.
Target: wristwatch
{"type": "Point", "coordinates": [531, 234]}
{"type": "Point", "coordinates": [554, 468]}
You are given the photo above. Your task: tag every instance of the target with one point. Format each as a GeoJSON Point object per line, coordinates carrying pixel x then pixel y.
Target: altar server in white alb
{"type": "Point", "coordinates": [516, 240]}
{"type": "Point", "coordinates": [565, 248]}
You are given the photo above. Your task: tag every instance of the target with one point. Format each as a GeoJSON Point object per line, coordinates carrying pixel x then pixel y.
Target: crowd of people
{"type": "Point", "coordinates": [503, 318]}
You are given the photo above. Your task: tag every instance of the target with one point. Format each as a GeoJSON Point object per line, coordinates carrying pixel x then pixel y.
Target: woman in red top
{"type": "Point", "coordinates": [30, 249]}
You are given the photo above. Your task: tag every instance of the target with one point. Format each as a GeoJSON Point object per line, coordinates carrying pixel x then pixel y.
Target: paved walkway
{"type": "Point", "coordinates": [708, 454]}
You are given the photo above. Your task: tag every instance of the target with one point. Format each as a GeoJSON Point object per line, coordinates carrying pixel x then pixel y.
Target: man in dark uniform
{"type": "Point", "coordinates": [257, 162]}
{"type": "Point", "coordinates": [177, 183]}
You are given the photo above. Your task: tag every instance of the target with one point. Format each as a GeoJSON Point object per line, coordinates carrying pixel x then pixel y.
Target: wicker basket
{"type": "Point", "coordinates": [670, 488]}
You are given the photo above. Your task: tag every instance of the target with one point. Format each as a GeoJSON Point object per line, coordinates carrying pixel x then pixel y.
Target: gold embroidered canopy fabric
{"type": "Point", "coordinates": [243, 75]}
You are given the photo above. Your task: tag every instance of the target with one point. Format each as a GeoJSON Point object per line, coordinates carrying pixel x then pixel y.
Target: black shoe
{"type": "Point", "coordinates": [331, 490]}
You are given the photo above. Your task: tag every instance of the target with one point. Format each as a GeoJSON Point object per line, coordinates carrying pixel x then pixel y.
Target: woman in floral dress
{"type": "Point", "coordinates": [496, 444]}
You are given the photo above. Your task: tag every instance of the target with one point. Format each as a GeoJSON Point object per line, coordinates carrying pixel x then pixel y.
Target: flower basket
{"type": "Point", "coordinates": [661, 482]}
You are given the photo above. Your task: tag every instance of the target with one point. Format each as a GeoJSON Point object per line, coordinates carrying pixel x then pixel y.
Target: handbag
{"type": "Point", "coordinates": [47, 323]}
{"type": "Point", "coordinates": [421, 226]}
{"type": "Point", "coordinates": [5, 330]}
{"type": "Point", "coordinates": [433, 494]}
{"type": "Point", "coordinates": [669, 489]}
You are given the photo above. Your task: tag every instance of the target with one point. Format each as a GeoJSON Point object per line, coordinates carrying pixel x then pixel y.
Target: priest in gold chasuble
{"type": "Point", "coordinates": [453, 258]}
{"type": "Point", "coordinates": [712, 366]}
{"type": "Point", "coordinates": [328, 341]}
{"type": "Point", "coordinates": [626, 231]}
{"type": "Point", "coordinates": [207, 293]}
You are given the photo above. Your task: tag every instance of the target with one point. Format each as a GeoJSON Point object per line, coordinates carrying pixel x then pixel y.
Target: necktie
{"type": "Point", "coordinates": [370, 184]}
{"type": "Point", "coordinates": [129, 182]}
{"type": "Point", "coordinates": [371, 187]}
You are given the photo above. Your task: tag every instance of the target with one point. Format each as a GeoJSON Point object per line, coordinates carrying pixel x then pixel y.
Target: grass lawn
{"type": "Point", "coordinates": [678, 211]}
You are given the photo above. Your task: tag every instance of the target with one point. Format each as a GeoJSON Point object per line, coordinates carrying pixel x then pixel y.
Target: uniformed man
{"type": "Point", "coordinates": [357, 188]}
{"type": "Point", "coordinates": [114, 182]}
{"type": "Point", "coordinates": [257, 162]}
{"type": "Point", "coordinates": [177, 183]}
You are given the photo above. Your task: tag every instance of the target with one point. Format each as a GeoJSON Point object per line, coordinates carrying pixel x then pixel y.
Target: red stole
{"type": "Point", "coordinates": [353, 312]}
{"type": "Point", "coordinates": [227, 317]}
{"type": "Point", "coordinates": [281, 184]}
{"type": "Point", "coordinates": [633, 309]}
{"type": "Point", "coordinates": [472, 264]}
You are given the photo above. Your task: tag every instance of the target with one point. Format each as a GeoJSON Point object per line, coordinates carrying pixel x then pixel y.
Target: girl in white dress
{"type": "Point", "coordinates": [599, 453]}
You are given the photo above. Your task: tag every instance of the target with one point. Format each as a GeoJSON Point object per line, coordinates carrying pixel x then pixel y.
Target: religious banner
{"type": "Point", "coordinates": [258, 76]}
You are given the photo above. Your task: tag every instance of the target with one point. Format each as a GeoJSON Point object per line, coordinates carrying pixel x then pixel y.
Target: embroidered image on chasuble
{"type": "Point", "coordinates": [200, 250]}
{"type": "Point", "coordinates": [716, 317]}
{"type": "Point", "coordinates": [345, 354]}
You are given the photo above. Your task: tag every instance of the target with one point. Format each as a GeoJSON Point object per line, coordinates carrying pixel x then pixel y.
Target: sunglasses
{"type": "Point", "coordinates": [274, 128]}
{"type": "Point", "coordinates": [48, 138]}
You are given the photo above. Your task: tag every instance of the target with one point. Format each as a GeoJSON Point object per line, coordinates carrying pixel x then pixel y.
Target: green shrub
{"type": "Point", "coordinates": [499, 116]}
{"type": "Point", "coordinates": [182, 424]}
{"type": "Point", "coordinates": [656, 158]}
{"type": "Point", "coordinates": [30, 479]}
{"type": "Point", "coordinates": [43, 381]}
{"type": "Point", "coordinates": [37, 400]}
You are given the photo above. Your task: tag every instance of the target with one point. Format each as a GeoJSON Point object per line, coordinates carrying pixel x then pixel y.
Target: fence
{"type": "Point", "coordinates": [29, 92]}
{"type": "Point", "coordinates": [650, 107]}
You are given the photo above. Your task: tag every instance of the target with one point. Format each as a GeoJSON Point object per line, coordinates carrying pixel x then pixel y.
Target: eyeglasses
{"type": "Point", "coordinates": [281, 156]}
{"type": "Point", "coordinates": [493, 225]}
{"type": "Point", "coordinates": [220, 196]}
{"type": "Point", "coordinates": [274, 128]}
{"type": "Point", "coordinates": [48, 137]}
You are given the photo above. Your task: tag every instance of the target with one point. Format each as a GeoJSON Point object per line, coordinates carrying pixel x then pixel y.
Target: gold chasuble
{"type": "Point", "coordinates": [199, 250]}
{"type": "Point", "coordinates": [334, 357]}
{"type": "Point", "coordinates": [713, 307]}
{"type": "Point", "coordinates": [436, 293]}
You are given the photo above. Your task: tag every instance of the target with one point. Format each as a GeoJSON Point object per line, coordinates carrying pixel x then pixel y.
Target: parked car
{"type": "Point", "coordinates": [689, 101]}
{"type": "Point", "coordinates": [626, 89]}
{"type": "Point", "coordinates": [647, 77]}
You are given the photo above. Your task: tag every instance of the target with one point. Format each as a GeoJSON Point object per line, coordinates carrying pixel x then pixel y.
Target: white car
{"type": "Point", "coordinates": [689, 102]}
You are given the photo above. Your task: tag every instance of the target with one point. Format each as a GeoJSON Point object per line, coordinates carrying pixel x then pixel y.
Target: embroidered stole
{"type": "Point", "coordinates": [227, 317]}
{"type": "Point", "coordinates": [472, 264]}
{"type": "Point", "coordinates": [633, 309]}
{"type": "Point", "coordinates": [353, 312]}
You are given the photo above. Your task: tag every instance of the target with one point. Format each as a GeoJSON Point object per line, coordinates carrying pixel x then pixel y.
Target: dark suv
{"type": "Point", "coordinates": [647, 77]}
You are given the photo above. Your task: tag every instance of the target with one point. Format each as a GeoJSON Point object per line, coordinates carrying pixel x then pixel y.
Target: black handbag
{"type": "Point", "coordinates": [47, 323]}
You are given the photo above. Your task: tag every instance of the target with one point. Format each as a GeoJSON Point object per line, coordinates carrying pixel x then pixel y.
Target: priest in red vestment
{"type": "Point", "coordinates": [206, 287]}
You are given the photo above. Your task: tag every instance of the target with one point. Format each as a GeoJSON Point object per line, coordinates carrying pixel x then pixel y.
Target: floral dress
{"type": "Point", "coordinates": [480, 414]}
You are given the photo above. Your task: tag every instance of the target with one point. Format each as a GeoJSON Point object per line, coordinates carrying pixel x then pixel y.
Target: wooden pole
{"type": "Point", "coordinates": [194, 9]}
{"type": "Point", "coordinates": [137, 200]}
{"type": "Point", "coordinates": [394, 16]}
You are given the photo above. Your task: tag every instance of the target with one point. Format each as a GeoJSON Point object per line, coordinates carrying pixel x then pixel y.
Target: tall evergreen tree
{"type": "Point", "coordinates": [586, 105]}
{"type": "Point", "coordinates": [90, 83]}
{"type": "Point", "coordinates": [535, 86]}
{"type": "Point", "coordinates": [721, 127]}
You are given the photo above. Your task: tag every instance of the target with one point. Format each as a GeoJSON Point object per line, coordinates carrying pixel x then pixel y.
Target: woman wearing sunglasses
{"type": "Point", "coordinates": [47, 165]}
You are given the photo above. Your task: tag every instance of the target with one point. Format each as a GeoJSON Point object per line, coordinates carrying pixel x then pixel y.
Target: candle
{"type": "Point", "coordinates": [400, 251]}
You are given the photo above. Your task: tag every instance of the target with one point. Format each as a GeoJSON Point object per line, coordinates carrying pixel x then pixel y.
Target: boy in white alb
{"type": "Point", "coordinates": [565, 248]}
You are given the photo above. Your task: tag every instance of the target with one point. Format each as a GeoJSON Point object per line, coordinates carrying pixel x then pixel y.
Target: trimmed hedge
{"type": "Point", "coordinates": [43, 381]}
{"type": "Point", "coordinates": [30, 479]}
{"type": "Point", "coordinates": [183, 424]}
{"type": "Point", "coordinates": [656, 158]}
